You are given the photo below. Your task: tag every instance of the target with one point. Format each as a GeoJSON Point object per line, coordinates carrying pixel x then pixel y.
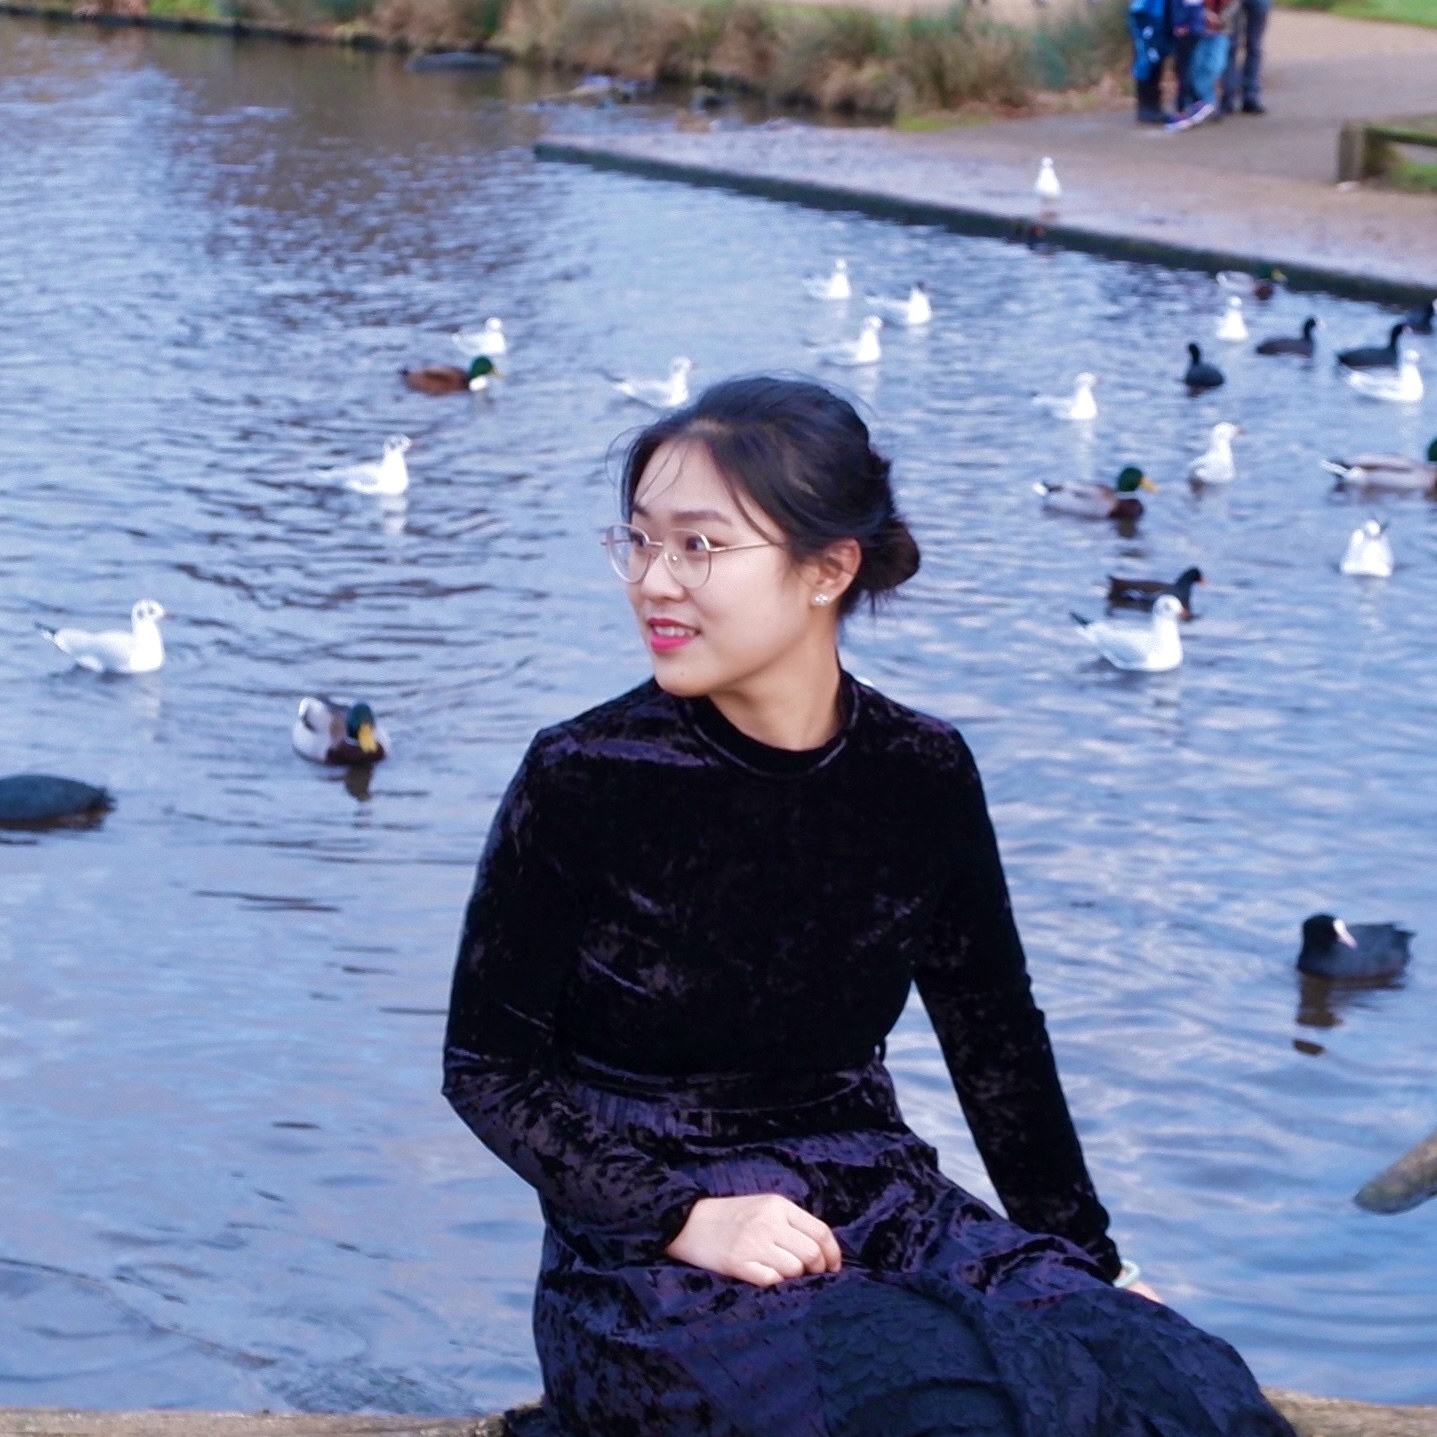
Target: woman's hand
{"type": "Point", "coordinates": [762, 1239]}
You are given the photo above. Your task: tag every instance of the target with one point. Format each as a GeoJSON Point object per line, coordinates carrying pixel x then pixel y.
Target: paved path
{"type": "Point", "coordinates": [1253, 187]}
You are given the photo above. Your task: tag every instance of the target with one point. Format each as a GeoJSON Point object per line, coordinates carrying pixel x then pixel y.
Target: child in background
{"type": "Point", "coordinates": [1208, 24]}
{"type": "Point", "coordinates": [1148, 24]}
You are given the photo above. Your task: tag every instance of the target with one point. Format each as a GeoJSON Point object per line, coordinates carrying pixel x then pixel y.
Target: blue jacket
{"type": "Point", "coordinates": [1150, 25]}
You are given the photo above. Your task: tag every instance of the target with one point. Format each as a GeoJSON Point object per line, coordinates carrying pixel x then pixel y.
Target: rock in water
{"type": "Point", "coordinates": [42, 798]}
{"type": "Point", "coordinates": [1411, 1180]}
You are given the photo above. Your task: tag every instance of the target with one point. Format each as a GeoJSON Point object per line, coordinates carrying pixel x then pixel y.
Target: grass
{"type": "Point", "coordinates": [1408, 12]}
{"type": "Point", "coordinates": [920, 68]}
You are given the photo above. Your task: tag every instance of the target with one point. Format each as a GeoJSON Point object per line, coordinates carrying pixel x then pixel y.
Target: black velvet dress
{"type": "Point", "coordinates": [683, 955]}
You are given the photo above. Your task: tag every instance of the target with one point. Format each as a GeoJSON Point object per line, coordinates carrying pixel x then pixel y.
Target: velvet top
{"type": "Point", "coordinates": [664, 896]}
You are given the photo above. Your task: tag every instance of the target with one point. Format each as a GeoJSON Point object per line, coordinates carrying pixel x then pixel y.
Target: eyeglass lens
{"type": "Point", "coordinates": [685, 551]}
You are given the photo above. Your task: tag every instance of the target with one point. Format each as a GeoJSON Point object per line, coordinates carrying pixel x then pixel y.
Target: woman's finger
{"type": "Point", "coordinates": [804, 1248]}
{"type": "Point", "coordinates": [758, 1273]}
{"type": "Point", "coordinates": [821, 1233]}
{"type": "Point", "coordinates": [783, 1261]}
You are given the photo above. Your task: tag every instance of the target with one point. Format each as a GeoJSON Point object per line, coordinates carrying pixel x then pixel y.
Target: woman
{"type": "Point", "coordinates": [696, 921]}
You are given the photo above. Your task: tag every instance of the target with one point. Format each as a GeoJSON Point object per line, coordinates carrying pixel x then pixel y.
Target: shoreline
{"type": "Point", "coordinates": [1310, 1416]}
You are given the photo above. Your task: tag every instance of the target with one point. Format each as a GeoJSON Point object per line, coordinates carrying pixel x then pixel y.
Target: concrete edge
{"type": "Point", "coordinates": [197, 25]}
{"type": "Point", "coordinates": [994, 224]}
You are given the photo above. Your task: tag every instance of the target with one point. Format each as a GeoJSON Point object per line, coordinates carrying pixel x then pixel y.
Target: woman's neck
{"type": "Point", "coordinates": [796, 708]}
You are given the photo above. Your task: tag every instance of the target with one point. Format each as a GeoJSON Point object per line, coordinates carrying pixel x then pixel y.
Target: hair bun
{"type": "Point", "coordinates": [890, 558]}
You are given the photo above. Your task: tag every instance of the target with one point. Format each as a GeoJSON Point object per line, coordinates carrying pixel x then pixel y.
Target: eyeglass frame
{"type": "Point", "coordinates": [672, 556]}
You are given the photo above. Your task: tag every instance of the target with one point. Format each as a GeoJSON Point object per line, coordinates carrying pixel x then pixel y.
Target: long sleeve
{"type": "Point", "coordinates": [974, 984]}
{"type": "Point", "coordinates": [515, 959]}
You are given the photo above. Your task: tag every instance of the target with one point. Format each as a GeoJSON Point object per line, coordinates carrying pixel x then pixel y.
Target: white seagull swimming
{"type": "Point", "coordinates": [390, 476]}
{"type": "Point", "coordinates": [1232, 326]}
{"type": "Point", "coordinates": [912, 312]}
{"type": "Point", "coordinates": [670, 393]}
{"type": "Point", "coordinates": [141, 651]}
{"type": "Point", "coordinates": [1151, 648]}
{"type": "Point", "coordinates": [855, 353]}
{"type": "Point", "coordinates": [489, 341]}
{"type": "Point", "coordinates": [831, 286]}
{"type": "Point", "coordinates": [1369, 553]}
{"type": "Point", "coordinates": [1080, 404]}
{"type": "Point", "coordinates": [1402, 387]}
{"type": "Point", "coordinates": [1046, 186]}
{"type": "Point", "coordinates": [1215, 465]}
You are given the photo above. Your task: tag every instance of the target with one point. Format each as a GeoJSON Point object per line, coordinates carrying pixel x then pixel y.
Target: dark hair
{"type": "Point", "coordinates": [803, 456]}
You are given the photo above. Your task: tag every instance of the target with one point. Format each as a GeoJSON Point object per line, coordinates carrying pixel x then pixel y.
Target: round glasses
{"type": "Point", "coordinates": [688, 554]}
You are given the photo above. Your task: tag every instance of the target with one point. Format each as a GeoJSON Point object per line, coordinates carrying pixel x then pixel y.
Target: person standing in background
{"type": "Point", "coordinates": [1206, 23]}
{"type": "Point", "coordinates": [1150, 26]}
{"type": "Point", "coordinates": [1245, 80]}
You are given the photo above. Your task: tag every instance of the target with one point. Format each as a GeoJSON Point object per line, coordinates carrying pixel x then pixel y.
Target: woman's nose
{"type": "Point", "coordinates": [660, 583]}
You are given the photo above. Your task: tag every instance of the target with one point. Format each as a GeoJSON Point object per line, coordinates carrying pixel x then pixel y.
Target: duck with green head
{"type": "Point", "coordinates": [1394, 472]}
{"type": "Point", "coordinates": [450, 378]}
{"type": "Point", "coordinates": [1117, 500]}
{"type": "Point", "coordinates": [328, 730]}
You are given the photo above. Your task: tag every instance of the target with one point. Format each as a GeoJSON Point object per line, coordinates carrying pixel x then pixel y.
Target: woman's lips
{"type": "Point", "coordinates": [666, 635]}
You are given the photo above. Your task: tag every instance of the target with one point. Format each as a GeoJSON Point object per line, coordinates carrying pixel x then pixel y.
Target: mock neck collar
{"type": "Point", "coordinates": [749, 753]}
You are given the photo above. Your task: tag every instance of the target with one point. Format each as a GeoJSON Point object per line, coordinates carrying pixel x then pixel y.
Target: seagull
{"type": "Point", "coordinates": [1046, 186]}
{"type": "Point", "coordinates": [489, 341]}
{"type": "Point", "coordinates": [1404, 387]}
{"type": "Point", "coordinates": [854, 353]}
{"type": "Point", "coordinates": [1215, 465]}
{"type": "Point", "coordinates": [1303, 344]}
{"type": "Point", "coordinates": [832, 286]}
{"type": "Point", "coordinates": [337, 731]}
{"type": "Point", "coordinates": [1374, 356]}
{"type": "Point", "coordinates": [1332, 949]}
{"type": "Point", "coordinates": [912, 312]}
{"type": "Point", "coordinates": [1369, 554]}
{"type": "Point", "coordinates": [670, 393]}
{"type": "Point", "coordinates": [1395, 472]}
{"type": "Point", "coordinates": [1150, 649]}
{"type": "Point", "coordinates": [1199, 373]}
{"type": "Point", "coordinates": [141, 651]}
{"type": "Point", "coordinates": [1232, 327]}
{"type": "Point", "coordinates": [389, 476]}
{"type": "Point", "coordinates": [1080, 404]}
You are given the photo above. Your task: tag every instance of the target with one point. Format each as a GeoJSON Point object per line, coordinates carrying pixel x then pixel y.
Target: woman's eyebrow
{"type": "Point", "coordinates": [689, 516]}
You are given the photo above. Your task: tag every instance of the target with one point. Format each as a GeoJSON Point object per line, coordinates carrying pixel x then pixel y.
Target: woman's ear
{"type": "Point", "coordinates": [836, 568]}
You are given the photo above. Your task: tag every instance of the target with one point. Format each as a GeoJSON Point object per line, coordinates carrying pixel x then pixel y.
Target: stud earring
{"type": "Point", "coordinates": [823, 600]}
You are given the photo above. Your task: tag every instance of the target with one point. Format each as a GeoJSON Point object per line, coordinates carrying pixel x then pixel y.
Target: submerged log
{"type": "Point", "coordinates": [1311, 1416]}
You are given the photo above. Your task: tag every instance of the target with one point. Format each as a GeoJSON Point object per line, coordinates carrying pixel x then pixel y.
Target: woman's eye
{"type": "Point", "coordinates": [695, 544]}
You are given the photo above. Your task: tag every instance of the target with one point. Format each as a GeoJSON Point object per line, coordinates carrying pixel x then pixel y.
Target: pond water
{"type": "Point", "coordinates": [227, 1178]}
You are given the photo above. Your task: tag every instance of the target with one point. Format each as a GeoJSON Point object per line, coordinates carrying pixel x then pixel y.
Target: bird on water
{"type": "Point", "coordinates": [1369, 552]}
{"type": "Point", "coordinates": [1303, 344]}
{"type": "Point", "coordinates": [489, 341]}
{"type": "Point", "coordinates": [1334, 949]}
{"type": "Point", "coordinates": [1374, 356]}
{"type": "Point", "coordinates": [670, 393]}
{"type": "Point", "coordinates": [1200, 374]}
{"type": "Point", "coordinates": [910, 313]}
{"type": "Point", "coordinates": [1394, 472]}
{"type": "Point", "coordinates": [113, 651]}
{"type": "Point", "coordinates": [450, 378]}
{"type": "Point", "coordinates": [1118, 500]}
{"type": "Point", "coordinates": [1151, 649]}
{"type": "Point", "coordinates": [1232, 327]}
{"type": "Point", "coordinates": [330, 730]}
{"type": "Point", "coordinates": [388, 476]}
{"type": "Point", "coordinates": [856, 353]}
{"type": "Point", "coordinates": [33, 799]}
{"type": "Point", "coordinates": [1402, 387]}
{"type": "Point", "coordinates": [834, 285]}
{"type": "Point", "coordinates": [1144, 593]}
{"type": "Point", "coordinates": [1215, 464]}
{"type": "Point", "coordinates": [1079, 405]}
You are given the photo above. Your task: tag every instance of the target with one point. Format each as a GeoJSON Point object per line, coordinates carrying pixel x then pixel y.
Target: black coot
{"type": "Point", "coordinates": [1331, 949]}
{"type": "Point", "coordinates": [1144, 593]}
{"type": "Point", "coordinates": [1200, 374]}
{"type": "Point", "coordinates": [1374, 356]}
{"type": "Point", "coordinates": [1300, 344]}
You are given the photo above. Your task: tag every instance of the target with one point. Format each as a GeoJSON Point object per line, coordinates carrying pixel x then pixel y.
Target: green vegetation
{"type": "Point", "coordinates": [1408, 12]}
{"type": "Point", "coordinates": [847, 60]}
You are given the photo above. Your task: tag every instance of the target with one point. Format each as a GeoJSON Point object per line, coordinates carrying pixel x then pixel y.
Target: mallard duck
{"type": "Point", "coordinates": [337, 731]}
{"type": "Point", "coordinates": [836, 285]}
{"type": "Point", "coordinates": [1215, 464]}
{"type": "Point", "coordinates": [912, 313]}
{"type": "Point", "coordinates": [1099, 501]}
{"type": "Point", "coordinates": [1369, 552]}
{"type": "Point", "coordinates": [1079, 405]}
{"type": "Point", "coordinates": [1232, 327]}
{"type": "Point", "coordinates": [1374, 356]}
{"type": "Point", "coordinates": [1302, 344]}
{"type": "Point", "coordinates": [1332, 949]}
{"type": "Point", "coordinates": [1151, 649]}
{"type": "Point", "coordinates": [1395, 472]}
{"type": "Point", "coordinates": [670, 393]}
{"type": "Point", "coordinates": [1200, 374]}
{"type": "Point", "coordinates": [36, 798]}
{"type": "Point", "coordinates": [1402, 387]}
{"type": "Point", "coordinates": [1144, 593]}
{"type": "Point", "coordinates": [489, 341]}
{"type": "Point", "coordinates": [141, 651]}
{"type": "Point", "coordinates": [450, 379]}
{"type": "Point", "coordinates": [1262, 285]}
{"type": "Point", "coordinates": [388, 476]}
{"type": "Point", "coordinates": [1420, 318]}
{"type": "Point", "coordinates": [855, 353]}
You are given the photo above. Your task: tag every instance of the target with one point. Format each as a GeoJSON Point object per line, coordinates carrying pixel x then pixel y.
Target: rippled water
{"type": "Point", "coordinates": [227, 1176]}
